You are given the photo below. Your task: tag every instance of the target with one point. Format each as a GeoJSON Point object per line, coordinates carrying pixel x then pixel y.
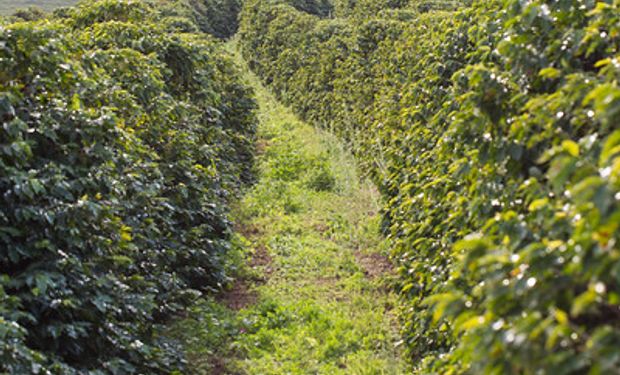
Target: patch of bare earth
{"type": "Point", "coordinates": [219, 367]}
{"type": "Point", "coordinates": [321, 228]}
{"type": "Point", "coordinates": [374, 265]}
{"type": "Point", "coordinates": [242, 294]}
{"type": "Point", "coordinates": [261, 260]}
{"type": "Point", "coordinates": [249, 231]}
{"type": "Point", "coordinates": [261, 147]}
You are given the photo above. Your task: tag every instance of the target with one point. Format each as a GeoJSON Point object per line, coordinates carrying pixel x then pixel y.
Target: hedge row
{"type": "Point", "coordinates": [122, 139]}
{"type": "Point", "coordinates": [347, 8]}
{"type": "Point", "coordinates": [216, 17]}
{"type": "Point", "coordinates": [492, 133]}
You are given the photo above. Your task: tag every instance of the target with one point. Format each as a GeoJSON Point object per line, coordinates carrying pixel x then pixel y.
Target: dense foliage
{"type": "Point", "coordinates": [122, 140]}
{"type": "Point", "coordinates": [216, 17]}
{"type": "Point", "coordinates": [493, 135]}
{"type": "Point", "coordinates": [344, 8]}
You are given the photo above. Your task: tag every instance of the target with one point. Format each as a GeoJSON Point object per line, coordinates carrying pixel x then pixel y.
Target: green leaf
{"type": "Point", "coordinates": [538, 204]}
{"type": "Point", "coordinates": [583, 302]}
{"type": "Point", "coordinates": [571, 147]}
{"type": "Point", "coordinates": [549, 73]}
{"type": "Point", "coordinates": [611, 148]}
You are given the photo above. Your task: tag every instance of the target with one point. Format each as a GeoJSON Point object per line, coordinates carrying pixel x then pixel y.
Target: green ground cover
{"type": "Point", "coordinates": [316, 298]}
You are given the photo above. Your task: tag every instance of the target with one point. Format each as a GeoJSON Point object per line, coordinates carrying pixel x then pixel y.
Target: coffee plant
{"type": "Point", "coordinates": [491, 130]}
{"type": "Point", "coordinates": [215, 17]}
{"type": "Point", "coordinates": [124, 136]}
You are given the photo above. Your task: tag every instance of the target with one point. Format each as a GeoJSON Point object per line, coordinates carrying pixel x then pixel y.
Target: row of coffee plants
{"type": "Point", "coordinates": [216, 17]}
{"type": "Point", "coordinates": [492, 133]}
{"type": "Point", "coordinates": [346, 8]}
{"type": "Point", "coordinates": [123, 137]}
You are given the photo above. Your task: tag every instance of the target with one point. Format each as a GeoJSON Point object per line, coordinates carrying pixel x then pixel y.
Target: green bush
{"type": "Point", "coordinates": [217, 17]}
{"type": "Point", "coordinates": [366, 8]}
{"type": "Point", "coordinates": [29, 14]}
{"type": "Point", "coordinates": [122, 140]}
{"type": "Point", "coordinates": [320, 176]}
{"type": "Point", "coordinates": [492, 135]}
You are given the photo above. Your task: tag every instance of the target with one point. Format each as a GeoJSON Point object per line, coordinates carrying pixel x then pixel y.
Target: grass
{"type": "Point", "coordinates": [310, 306]}
{"type": "Point", "coordinates": [8, 7]}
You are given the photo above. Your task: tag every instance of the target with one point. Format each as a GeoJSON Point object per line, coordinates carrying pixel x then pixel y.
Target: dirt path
{"type": "Point", "coordinates": [315, 298]}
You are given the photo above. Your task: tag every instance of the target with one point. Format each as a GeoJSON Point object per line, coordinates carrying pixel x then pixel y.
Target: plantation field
{"type": "Point", "coordinates": [329, 187]}
{"type": "Point", "coordinates": [9, 6]}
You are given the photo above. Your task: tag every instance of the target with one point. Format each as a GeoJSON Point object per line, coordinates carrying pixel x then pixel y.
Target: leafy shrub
{"type": "Point", "coordinates": [217, 17]}
{"type": "Point", "coordinates": [29, 14]}
{"type": "Point", "coordinates": [492, 135]}
{"type": "Point", "coordinates": [366, 8]}
{"type": "Point", "coordinates": [322, 8]}
{"type": "Point", "coordinates": [121, 142]}
{"type": "Point", "coordinates": [320, 177]}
